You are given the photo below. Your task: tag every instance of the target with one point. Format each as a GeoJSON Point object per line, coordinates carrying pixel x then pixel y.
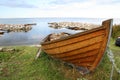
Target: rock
{"type": "Point", "coordinates": [117, 43]}
{"type": "Point", "coordinates": [7, 50]}
{"type": "Point", "coordinates": [16, 27]}
{"type": "Point", "coordinates": [54, 25]}
{"type": "Point", "coordinates": [1, 49]}
{"type": "Point", "coordinates": [76, 28]}
{"type": "Point", "coordinates": [56, 36]}
{"type": "Point", "coordinates": [72, 25]}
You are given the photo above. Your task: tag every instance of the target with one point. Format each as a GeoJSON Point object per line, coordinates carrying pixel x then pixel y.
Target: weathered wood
{"type": "Point", "coordinates": [81, 49]}
{"type": "Point", "coordinates": [38, 53]}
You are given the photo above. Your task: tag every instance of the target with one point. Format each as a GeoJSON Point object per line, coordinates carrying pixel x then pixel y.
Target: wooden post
{"type": "Point", "coordinates": [38, 53]}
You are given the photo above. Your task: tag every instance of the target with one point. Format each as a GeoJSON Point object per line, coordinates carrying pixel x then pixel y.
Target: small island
{"type": "Point", "coordinates": [73, 25]}
{"type": "Point", "coordinates": [15, 27]}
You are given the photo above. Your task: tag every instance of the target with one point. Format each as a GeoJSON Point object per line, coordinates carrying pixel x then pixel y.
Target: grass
{"type": "Point", "coordinates": [116, 51]}
{"type": "Point", "coordinates": [115, 31]}
{"type": "Point", "coordinates": [20, 65]}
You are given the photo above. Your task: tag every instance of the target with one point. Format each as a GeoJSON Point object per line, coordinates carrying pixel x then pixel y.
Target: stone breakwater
{"type": "Point", "coordinates": [16, 27]}
{"type": "Point", "coordinates": [73, 25]}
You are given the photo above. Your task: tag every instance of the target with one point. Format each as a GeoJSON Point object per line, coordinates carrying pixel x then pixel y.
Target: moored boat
{"type": "Point", "coordinates": [85, 49]}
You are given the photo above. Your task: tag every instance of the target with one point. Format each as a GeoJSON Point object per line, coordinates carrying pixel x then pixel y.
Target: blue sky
{"type": "Point", "coordinates": [59, 8]}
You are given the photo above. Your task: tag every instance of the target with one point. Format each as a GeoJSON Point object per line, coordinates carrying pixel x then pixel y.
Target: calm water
{"type": "Point", "coordinates": [40, 30]}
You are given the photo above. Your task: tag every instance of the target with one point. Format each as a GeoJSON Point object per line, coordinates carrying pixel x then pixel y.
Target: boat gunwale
{"type": "Point", "coordinates": [75, 42]}
{"type": "Point", "coordinates": [44, 42]}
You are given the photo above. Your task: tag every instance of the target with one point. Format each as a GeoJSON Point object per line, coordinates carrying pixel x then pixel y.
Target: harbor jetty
{"type": "Point", "coordinates": [73, 25]}
{"type": "Point", "coordinates": [16, 27]}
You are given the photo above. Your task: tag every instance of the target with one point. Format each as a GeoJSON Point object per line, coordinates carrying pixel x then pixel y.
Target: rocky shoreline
{"type": "Point", "coordinates": [55, 36]}
{"type": "Point", "coordinates": [73, 25]}
{"type": "Point", "coordinates": [16, 27]}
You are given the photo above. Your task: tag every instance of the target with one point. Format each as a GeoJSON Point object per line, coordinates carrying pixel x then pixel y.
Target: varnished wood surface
{"type": "Point", "coordinates": [82, 49]}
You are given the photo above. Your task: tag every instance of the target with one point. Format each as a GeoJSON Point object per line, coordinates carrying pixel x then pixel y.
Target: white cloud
{"type": "Point", "coordinates": [16, 4]}
{"type": "Point", "coordinates": [93, 9]}
{"type": "Point", "coordinates": [69, 8]}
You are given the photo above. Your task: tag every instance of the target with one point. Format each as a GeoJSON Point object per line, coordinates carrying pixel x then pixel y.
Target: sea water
{"type": "Point", "coordinates": [40, 30]}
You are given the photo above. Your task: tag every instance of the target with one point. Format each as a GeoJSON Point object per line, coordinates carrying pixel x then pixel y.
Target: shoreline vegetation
{"type": "Point", "coordinates": [21, 64]}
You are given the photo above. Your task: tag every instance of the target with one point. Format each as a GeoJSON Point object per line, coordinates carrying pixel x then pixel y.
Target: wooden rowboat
{"type": "Point", "coordinates": [84, 49]}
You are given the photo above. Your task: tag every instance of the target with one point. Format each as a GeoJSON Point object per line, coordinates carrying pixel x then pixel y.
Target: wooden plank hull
{"type": "Point", "coordinates": [84, 49]}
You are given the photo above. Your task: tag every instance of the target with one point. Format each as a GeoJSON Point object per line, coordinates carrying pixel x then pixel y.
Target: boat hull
{"type": "Point", "coordinates": [84, 49]}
